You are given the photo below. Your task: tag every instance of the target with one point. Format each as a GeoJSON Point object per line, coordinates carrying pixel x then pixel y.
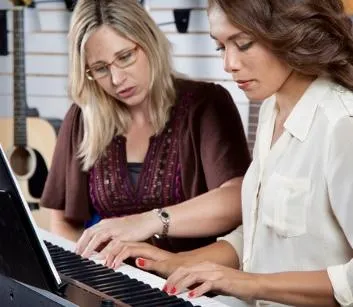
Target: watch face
{"type": "Point", "coordinates": [164, 214]}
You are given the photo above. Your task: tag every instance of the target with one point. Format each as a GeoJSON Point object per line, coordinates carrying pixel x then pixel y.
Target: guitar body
{"type": "Point", "coordinates": [348, 6]}
{"type": "Point", "coordinates": [41, 140]}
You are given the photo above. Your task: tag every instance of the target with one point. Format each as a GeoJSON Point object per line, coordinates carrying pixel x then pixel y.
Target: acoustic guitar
{"type": "Point", "coordinates": [348, 6]}
{"type": "Point", "coordinates": [29, 142]}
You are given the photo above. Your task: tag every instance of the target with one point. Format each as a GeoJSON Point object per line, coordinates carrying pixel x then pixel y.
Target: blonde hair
{"type": "Point", "coordinates": [103, 116]}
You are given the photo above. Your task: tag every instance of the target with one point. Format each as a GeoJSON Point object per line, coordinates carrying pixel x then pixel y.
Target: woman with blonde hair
{"type": "Point", "coordinates": [145, 151]}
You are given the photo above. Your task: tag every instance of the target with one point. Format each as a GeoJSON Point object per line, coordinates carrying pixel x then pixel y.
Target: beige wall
{"type": "Point", "coordinates": [194, 54]}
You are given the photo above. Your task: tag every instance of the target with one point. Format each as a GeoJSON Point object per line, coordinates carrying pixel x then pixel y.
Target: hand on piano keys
{"type": "Point", "coordinates": [132, 272]}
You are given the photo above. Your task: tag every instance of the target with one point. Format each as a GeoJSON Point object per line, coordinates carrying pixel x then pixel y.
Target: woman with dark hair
{"type": "Point", "coordinates": [295, 244]}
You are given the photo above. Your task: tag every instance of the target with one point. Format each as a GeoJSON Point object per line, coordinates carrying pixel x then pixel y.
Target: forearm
{"type": "Point", "coordinates": [296, 288]}
{"type": "Point", "coordinates": [211, 213]}
{"type": "Point", "coordinates": [61, 227]}
{"type": "Point", "coordinates": [220, 252]}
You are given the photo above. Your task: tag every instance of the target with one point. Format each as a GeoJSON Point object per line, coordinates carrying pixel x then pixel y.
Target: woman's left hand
{"type": "Point", "coordinates": [212, 277]}
{"type": "Point", "coordinates": [137, 227]}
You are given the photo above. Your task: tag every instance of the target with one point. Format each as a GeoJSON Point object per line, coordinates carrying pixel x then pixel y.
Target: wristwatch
{"type": "Point", "coordinates": [165, 219]}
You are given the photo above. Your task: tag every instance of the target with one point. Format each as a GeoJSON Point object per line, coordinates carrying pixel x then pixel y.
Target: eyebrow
{"type": "Point", "coordinates": [230, 38]}
{"type": "Point", "coordinates": [116, 54]}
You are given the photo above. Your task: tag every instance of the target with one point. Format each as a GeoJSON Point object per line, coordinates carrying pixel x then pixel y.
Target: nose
{"type": "Point", "coordinates": [231, 60]}
{"type": "Point", "coordinates": [118, 75]}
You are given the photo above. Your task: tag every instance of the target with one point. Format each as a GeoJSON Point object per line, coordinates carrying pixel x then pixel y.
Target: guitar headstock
{"type": "Point", "coordinates": [28, 3]}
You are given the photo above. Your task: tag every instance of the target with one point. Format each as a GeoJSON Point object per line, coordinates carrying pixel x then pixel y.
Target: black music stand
{"type": "Point", "coordinates": [23, 255]}
{"type": "Point", "coordinates": [25, 264]}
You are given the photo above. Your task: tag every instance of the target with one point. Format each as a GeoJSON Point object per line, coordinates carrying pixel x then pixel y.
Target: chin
{"type": "Point", "coordinates": [132, 102]}
{"type": "Point", "coordinates": [256, 97]}
{"type": "Point", "coordinates": [256, 100]}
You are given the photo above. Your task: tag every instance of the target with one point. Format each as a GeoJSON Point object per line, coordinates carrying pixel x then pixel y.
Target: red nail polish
{"type": "Point", "coordinates": [191, 294]}
{"type": "Point", "coordinates": [165, 288]}
{"type": "Point", "coordinates": [173, 290]}
{"type": "Point", "coordinates": [141, 262]}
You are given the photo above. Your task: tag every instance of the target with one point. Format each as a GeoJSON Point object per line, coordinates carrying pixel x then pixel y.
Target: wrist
{"type": "Point", "coordinates": [252, 282]}
{"type": "Point", "coordinates": [164, 219]}
{"type": "Point", "coordinates": [259, 286]}
{"type": "Point", "coordinates": [153, 223]}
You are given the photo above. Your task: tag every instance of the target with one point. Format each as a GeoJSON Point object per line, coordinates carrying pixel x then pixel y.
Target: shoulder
{"type": "Point", "coordinates": [203, 94]}
{"type": "Point", "coordinates": [74, 112]}
{"type": "Point", "coordinates": [72, 124]}
{"type": "Point", "coordinates": [199, 88]}
{"type": "Point", "coordinates": [336, 110]}
{"type": "Point", "coordinates": [337, 104]}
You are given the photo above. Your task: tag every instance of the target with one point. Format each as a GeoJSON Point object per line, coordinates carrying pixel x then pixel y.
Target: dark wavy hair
{"type": "Point", "coordinates": [313, 36]}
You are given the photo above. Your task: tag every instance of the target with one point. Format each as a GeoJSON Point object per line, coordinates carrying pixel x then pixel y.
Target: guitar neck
{"type": "Point", "coordinates": [19, 72]}
{"type": "Point", "coordinates": [254, 108]}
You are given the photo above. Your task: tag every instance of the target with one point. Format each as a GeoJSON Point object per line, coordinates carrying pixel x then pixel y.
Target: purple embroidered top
{"type": "Point", "coordinates": [110, 188]}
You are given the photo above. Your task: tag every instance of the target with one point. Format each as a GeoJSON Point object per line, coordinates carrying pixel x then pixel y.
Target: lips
{"type": "Point", "coordinates": [242, 81]}
{"type": "Point", "coordinates": [127, 92]}
{"type": "Point", "coordinates": [244, 84]}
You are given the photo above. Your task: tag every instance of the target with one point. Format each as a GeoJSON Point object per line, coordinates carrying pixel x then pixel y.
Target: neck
{"type": "Point", "coordinates": [139, 114]}
{"type": "Point", "coordinates": [291, 92]}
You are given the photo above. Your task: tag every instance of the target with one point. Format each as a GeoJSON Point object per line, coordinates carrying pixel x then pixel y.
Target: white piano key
{"type": "Point", "coordinates": [146, 277]}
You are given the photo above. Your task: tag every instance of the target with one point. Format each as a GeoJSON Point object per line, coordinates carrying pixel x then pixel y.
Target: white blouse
{"type": "Point", "coordinates": [298, 195]}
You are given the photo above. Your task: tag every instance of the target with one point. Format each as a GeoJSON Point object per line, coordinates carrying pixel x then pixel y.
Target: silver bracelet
{"type": "Point", "coordinates": [165, 219]}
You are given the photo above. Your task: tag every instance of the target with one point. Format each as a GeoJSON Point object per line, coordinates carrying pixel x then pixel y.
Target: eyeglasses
{"type": "Point", "coordinates": [122, 60]}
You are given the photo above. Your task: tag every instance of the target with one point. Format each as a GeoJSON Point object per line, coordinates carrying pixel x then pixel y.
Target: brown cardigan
{"type": "Point", "coordinates": [213, 149]}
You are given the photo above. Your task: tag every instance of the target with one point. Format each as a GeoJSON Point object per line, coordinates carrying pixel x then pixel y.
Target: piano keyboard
{"type": "Point", "coordinates": [127, 284]}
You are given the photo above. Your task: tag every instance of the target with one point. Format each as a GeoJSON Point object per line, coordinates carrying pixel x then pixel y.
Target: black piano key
{"type": "Point", "coordinates": [115, 285]}
{"type": "Point", "coordinates": [160, 301]}
{"type": "Point", "coordinates": [70, 263]}
{"type": "Point", "coordinates": [57, 253]}
{"type": "Point", "coordinates": [49, 244]}
{"type": "Point", "coordinates": [60, 253]}
{"type": "Point", "coordinates": [63, 256]}
{"type": "Point", "coordinates": [179, 304]}
{"type": "Point", "coordinates": [66, 260]}
{"type": "Point", "coordinates": [87, 267]}
{"type": "Point", "coordinates": [142, 297]}
{"type": "Point", "coordinates": [62, 262]}
{"type": "Point", "coordinates": [127, 287]}
{"type": "Point", "coordinates": [87, 273]}
{"type": "Point", "coordinates": [73, 271]}
{"type": "Point", "coordinates": [133, 290]}
{"type": "Point", "coordinates": [103, 279]}
{"type": "Point", "coordinates": [75, 268]}
{"type": "Point", "coordinates": [52, 247]}
{"type": "Point", "coordinates": [131, 299]}
{"type": "Point", "coordinates": [55, 249]}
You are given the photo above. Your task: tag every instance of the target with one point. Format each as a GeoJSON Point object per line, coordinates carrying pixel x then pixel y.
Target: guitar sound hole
{"type": "Point", "coordinates": [21, 161]}
{"type": "Point", "coordinates": [37, 181]}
